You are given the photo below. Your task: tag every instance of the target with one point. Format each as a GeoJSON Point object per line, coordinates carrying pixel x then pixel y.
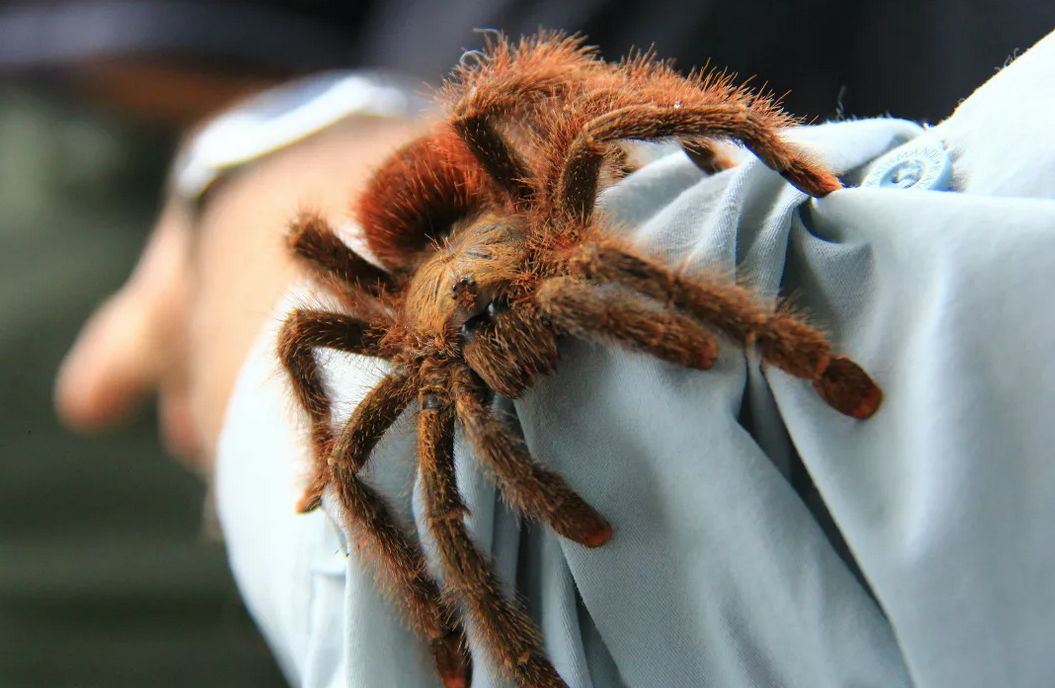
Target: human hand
{"type": "Point", "coordinates": [204, 286]}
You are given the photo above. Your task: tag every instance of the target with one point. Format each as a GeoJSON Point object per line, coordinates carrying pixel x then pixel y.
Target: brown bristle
{"type": "Point", "coordinates": [415, 197]}
{"type": "Point", "coordinates": [516, 76]}
{"type": "Point", "coordinates": [311, 239]}
{"type": "Point", "coordinates": [452, 663]}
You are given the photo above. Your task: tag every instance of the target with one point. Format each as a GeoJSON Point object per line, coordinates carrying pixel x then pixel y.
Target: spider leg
{"type": "Point", "coordinates": [530, 488]}
{"type": "Point", "coordinates": [577, 187]}
{"type": "Point", "coordinates": [302, 333]}
{"type": "Point", "coordinates": [512, 81]}
{"type": "Point", "coordinates": [504, 624]}
{"type": "Point", "coordinates": [400, 566]}
{"type": "Point", "coordinates": [588, 311]}
{"type": "Point", "coordinates": [314, 241]}
{"type": "Point", "coordinates": [517, 347]}
{"type": "Point", "coordinates": [784, 339]}
{"type": "Point", "coordinates": [504, 164]}
{"type": "Point", "coordinates": [707, 156]}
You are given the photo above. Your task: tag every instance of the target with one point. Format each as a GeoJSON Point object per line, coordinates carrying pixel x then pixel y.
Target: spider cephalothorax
{"type": "Point", "coordinates": [492, 250]}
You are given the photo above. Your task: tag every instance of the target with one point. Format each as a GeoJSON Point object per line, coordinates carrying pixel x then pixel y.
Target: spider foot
{"type": "Point", "coordinates": [312, 497]}
{"type": "Point", "coordinates": [578, 521]}
{"type": "Point", "coordinates": [814, 180]}
{"type": "Point", "coordinates": [452, 662]}
{"type": "Point", "coordinates": [848, 389]}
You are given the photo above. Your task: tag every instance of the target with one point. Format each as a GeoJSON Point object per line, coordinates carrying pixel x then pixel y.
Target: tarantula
{"type": "Point", "coordinates": [492, 250]}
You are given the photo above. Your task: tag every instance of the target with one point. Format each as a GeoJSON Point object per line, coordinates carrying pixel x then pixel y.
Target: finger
{"type": "Point", "coordinates": [134, 339]}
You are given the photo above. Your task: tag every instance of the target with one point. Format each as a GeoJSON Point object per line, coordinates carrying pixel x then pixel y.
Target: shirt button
{"type": "Point", "coordinates": [920, 164]}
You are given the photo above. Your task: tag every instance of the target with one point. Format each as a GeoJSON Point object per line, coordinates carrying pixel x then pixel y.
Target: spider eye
{"type": "Point", "coordinates": [463, 284]}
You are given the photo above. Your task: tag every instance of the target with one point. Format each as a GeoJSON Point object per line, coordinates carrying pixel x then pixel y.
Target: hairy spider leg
{"type": "Point", "coordinates": [537, 77]}
{"type": "Point", "coordinates": [399, 564]}
{"type": "Point", "coordinates": [399, 557]}
{"type": "Point", "coordinates": [505, 627]}
{"type": "Point", "coordinates": [513, 350]}
{"type": "Point", "coordinates": [784, 339]}
{"type": "Point", "coordinates": [589, 311]}
{"type": "Point", "coordinates": [500, 161]}
{"type": "Point", "coordinates": [513, 77]}
{"type": "Point", "coordinates": [314, 241]}
{"type": "Point", "coordinates": [577, 187]}
{"type": "Point", "coordinates": [528, 487]}
{"type": "Point", "coordinates": [707, 156]}
{"type": "Point", "coordinates": [302, 333]}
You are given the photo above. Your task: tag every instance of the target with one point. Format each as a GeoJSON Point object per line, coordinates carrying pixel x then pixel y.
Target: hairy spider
{"type": "Point", "coordinates": [492, 250]}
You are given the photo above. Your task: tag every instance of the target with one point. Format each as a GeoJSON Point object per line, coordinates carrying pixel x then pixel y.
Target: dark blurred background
{"type": "Point", "coordinates": [105, 576]}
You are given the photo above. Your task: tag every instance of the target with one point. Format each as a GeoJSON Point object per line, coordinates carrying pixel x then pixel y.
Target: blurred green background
{"type": "Point", "coordinates": [106, 577]}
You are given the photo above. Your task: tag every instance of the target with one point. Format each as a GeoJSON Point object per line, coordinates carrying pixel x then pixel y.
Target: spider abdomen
{"type": "Point", "coordinates": [415, 197]}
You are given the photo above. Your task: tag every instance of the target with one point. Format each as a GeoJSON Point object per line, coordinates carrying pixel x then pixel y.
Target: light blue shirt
{"type": "Point", "coordinates": [924, 557]}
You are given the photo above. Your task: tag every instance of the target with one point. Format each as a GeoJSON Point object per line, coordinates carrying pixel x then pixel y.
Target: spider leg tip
{"type": "Point", "coordinates": [309, 502]}
{"type": "Point", "coordinates": [599, 536]}
{"type": "Point", "coordinates": [706, 359]}
{"type": "Point", "coordinates": [827, 184]}
{"type": "Point", "coordinates": [455, 681]}
{"type": "Point", "coordinates": [580, 522]}
{"type": "Point", "coordinates": [847, 388]}
{"type": "Point", "coordinates": [453, 665]}
{"type": "Point", "coordinates": [869, 404]}
{"type": "Point", "coordinates": [816, 183]}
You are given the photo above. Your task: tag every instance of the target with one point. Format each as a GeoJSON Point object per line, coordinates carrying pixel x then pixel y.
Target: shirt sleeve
{"type": "Point", "coordinates": [761, 539]}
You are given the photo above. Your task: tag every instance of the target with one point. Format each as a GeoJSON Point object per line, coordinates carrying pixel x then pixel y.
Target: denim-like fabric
{"type": "Point", "coordinates": [919, 554]}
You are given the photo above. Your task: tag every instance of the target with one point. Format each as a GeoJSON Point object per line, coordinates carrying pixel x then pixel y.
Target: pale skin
{"type": "Point", "coordinates": [204, 287]}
